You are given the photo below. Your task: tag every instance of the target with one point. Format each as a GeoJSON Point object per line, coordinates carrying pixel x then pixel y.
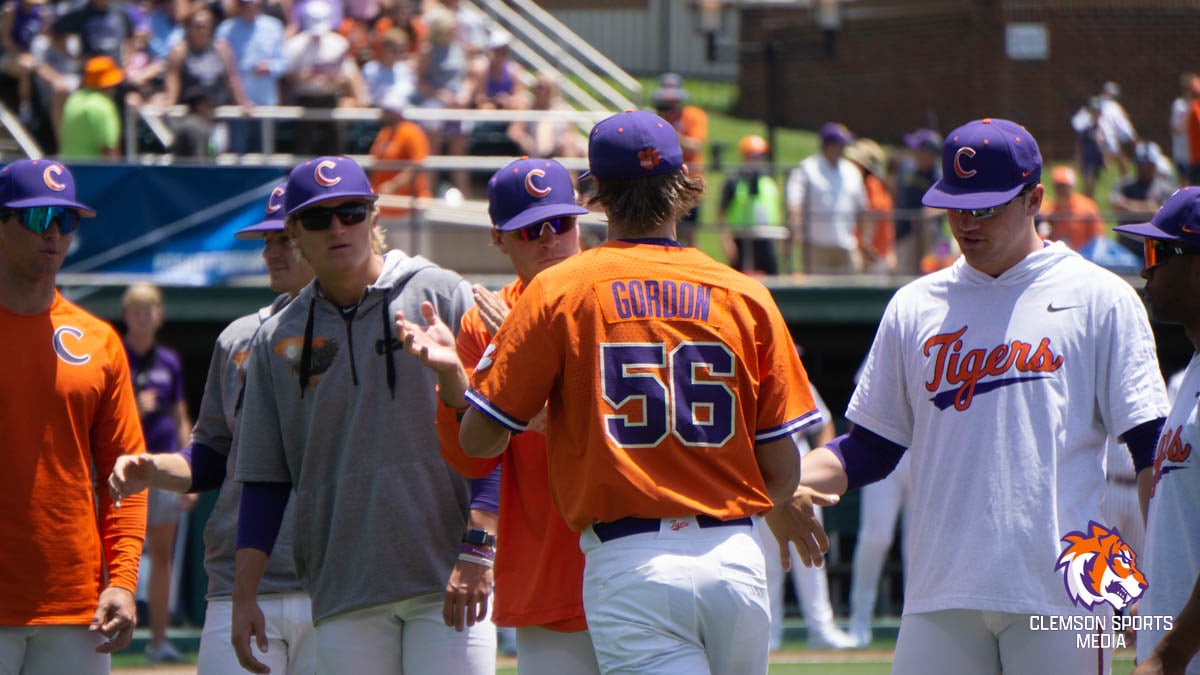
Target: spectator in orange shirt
{"type": "Point", "coordinates": [400, 139]}
{"type": "Point", "coordinates": [691, 123]}
{"type": "Point", "coordinates": [877, 238]}
{"type": "Point", "coordinates": [69, 564]}
{"type": "Point", "coordinates": [1071, 216]}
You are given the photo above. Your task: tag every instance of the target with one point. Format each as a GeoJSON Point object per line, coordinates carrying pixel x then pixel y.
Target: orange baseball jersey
{"type": "Point", "coordinates": [533, 540]}
{"type": "Point", "coordinates": [661, 368]}
{"type": "Point", "coordinates": [67, 410]}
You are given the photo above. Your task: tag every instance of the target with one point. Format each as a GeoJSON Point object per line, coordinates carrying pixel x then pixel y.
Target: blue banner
{"type": "Point", "coordinates": [174, 224]}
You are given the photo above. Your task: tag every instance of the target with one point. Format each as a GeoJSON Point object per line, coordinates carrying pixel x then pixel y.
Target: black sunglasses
{"type": "Point", "coordinates": [37, 219]}
{"type": "Point", "coordinates": [560, 225]}
{"type": "Point", "coordinates": [321, 217]}
{"type": "Point", "coordinates": [1158, 251]}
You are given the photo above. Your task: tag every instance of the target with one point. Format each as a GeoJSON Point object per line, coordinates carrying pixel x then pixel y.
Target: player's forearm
{"type": "Point", "coordinates": [1145, 486]}
{"type": "Point", "coordinates": [1181, 644]}
{"type": "Point", "coordinates": [452, 387]}
{"type": "Point", "coordinates": [779, 463]}
{"type": "Point", "coordinates": [171, 472]}
{"type": "Point", "coordinates": [823, 471]}
{"type": "Point", "coordinates": [249, 566]}
{"type": "Point", "coordinates": [481, 436]}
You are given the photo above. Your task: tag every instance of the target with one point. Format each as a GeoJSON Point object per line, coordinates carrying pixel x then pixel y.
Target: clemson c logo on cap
{"type": "Point", "coordinates": [958, 170]}
{"type": "Point", "coordinates": [50, 178]}
{"type": "Point", "coordinates": [322, 180]}
{"type": "Point", "coordinates": [275, 201]}
{"type": "Point", "coordinates": [532, 189]}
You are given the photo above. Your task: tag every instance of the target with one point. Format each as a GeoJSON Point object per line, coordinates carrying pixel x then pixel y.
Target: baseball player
{"type": "Point", "coordinates": [533, 212]}
{"type": "Point", "coordinates": [69, 563]}
{"type": "Point", "coordinates": [336, 412]}
{"type": "Point", "coordinates": [1171, 561]}
{"type": "Point", "coordinates": [672, 391]}
{"type": "Point", "coordinates": [207, 463]}
{"type": "Point", "coordinates": [1002, 376]}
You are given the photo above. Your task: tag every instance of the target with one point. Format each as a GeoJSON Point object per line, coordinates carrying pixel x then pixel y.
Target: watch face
{"type": "Point", "coordinates": [478, 538]}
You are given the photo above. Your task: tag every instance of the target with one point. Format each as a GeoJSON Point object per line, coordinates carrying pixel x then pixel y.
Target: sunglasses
{"type": "Point", "coordinates": [560, 225]}
{"type": "Point", "coordinates": [37, 219]}
{"type": "Point", "coordinates": [984, 214]}
{"type": "Point", "coordinates": [321, 217]}
{"type": "Point", "coordinates": [1157, 251]}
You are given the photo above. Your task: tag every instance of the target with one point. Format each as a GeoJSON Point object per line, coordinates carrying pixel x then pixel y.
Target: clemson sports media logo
{"type": "Point", "coordinates": [1098, 566]}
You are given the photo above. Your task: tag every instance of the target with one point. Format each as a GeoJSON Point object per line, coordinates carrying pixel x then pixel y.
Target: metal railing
{"type": "Point", "coordinates": [547, 49]}
{"type": "Point", "coordinates": [156, 118]}
{"type": "Point", "coordinates": [19, 134]}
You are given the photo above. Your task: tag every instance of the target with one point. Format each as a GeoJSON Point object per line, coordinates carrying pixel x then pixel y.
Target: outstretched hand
{"type": "Point", "coordinates": [796, 522]}
{"type": "Point", "coordinates": [492, 308]}
{"type": "Point", "coordinates": [432, 343]}
{"type": "Point", "coordinates": [130, 475]}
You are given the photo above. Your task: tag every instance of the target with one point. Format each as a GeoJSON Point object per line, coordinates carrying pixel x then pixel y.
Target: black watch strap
{"type": "Point", "coordinates": [479, 538]}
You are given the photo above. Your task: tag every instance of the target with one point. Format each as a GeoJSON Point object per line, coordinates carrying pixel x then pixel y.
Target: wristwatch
{"type": "Point", "coordinates": [479, 538]}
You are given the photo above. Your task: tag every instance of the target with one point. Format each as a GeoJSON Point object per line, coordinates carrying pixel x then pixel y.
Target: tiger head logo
{"type": "Point", "coordinates": [1099, 567]}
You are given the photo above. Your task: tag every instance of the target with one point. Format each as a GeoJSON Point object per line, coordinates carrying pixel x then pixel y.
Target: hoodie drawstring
{"type": "Point", "coordinates": [387, 349]}
{"type": "Point", "coordinates": [306, 352]}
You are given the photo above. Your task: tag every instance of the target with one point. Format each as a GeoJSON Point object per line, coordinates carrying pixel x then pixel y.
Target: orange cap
{"type": "Point", "coordinates": [753, 145]}
{"type": "Point", "coordinates": [101, 72]}
{"type": "Point", "coordinates": [1063, 175]}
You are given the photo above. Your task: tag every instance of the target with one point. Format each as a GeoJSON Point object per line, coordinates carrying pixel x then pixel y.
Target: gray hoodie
{"type": "Point", "coordinates": [379, 514]}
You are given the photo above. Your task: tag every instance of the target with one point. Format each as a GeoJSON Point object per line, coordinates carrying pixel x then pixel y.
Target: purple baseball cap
{"type": "Point", "coordinates": [834, 132]}
{"type": "Point", "coordinates": [633, 144]}
{"type": "Point", "coordinates": [927, 139]}
{"type": "Point", "coordinates": [529, 191]}
{"type": "Point", "coordinates": [1177, 220]}
{"type": "Point", "coordinates": [325, 178]}
{"type": "Point", "coordinates": [985, 163]}
{"type": "Point", "coordinates": [39, 182]}
{"type": "Point", "coordinates": [273, 222]}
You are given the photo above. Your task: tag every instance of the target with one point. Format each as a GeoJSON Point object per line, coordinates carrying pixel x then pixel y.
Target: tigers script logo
{"type": "Point", "coordinates": [965, 370]}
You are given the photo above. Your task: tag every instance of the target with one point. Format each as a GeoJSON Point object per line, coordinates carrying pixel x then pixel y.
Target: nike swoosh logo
{"type": "Point", "coordinates": [1051, 308]}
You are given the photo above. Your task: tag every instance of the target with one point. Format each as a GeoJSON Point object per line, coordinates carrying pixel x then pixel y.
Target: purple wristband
{"type": "Point", "coordinates": [1142, 442]}
{"type": "Point", "coordinates": [475, 550]}
{"type": "Point", "coordinates": [866, 456]}
{"type": "Point", "coordinates": [208, 467]}
{"type": "Point", "coordinates": [260, 514]}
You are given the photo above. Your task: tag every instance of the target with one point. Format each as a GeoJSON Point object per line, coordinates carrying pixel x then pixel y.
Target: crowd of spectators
{"type": "Point", "coordinates": [855, 207]}
{"type": "Point", "coordinates": [71, 67]}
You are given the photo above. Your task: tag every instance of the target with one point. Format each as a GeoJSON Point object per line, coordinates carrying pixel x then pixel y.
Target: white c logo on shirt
{"type": "Point", "coordinates": [61, 349]}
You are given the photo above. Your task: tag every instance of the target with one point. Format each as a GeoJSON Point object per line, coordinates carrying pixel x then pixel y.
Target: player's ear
{"type": "Point", "coordinates": [498, 240]}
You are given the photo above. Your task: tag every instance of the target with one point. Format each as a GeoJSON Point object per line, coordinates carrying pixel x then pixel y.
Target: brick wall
{"type": "Point", "coordinates": [903, 64]}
